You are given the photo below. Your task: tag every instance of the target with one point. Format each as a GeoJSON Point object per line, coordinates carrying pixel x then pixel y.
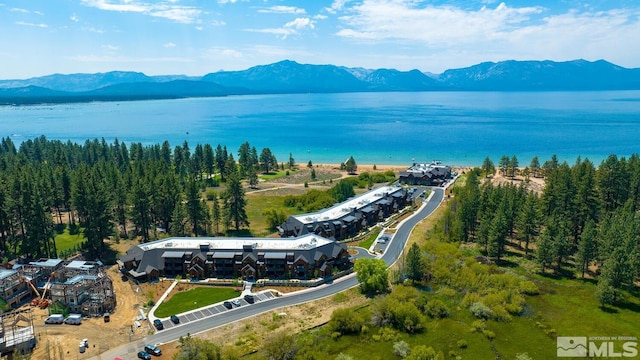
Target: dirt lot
{"type": "Point", "coordinates": [54, 340]}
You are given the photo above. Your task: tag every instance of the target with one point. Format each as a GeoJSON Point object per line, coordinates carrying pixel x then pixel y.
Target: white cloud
{"type": "Point", "coordinates": [20, 10]}
{"type": "Point", "coordinates": [293, 27]}
{"type": "Point", "coordinates": [94, 30]}
{"type": "Point", "coordinates": [167, 9]}
{"type": "Point", "coordinates": [31, 24]}
{"type": "Point", "coordinates": [336, 6]}
{"type": "Point", "coordinates": [465, 36]}
{"type": "Point", "coordinates": [283, 10]}
{"type": "Point", "coordinates": [217, 23]}
{"type": "Point", "coordinates": [300, 24]}
{"type": "Point", "coordinates": [111, 47]}
{"type": "Point", "coordinates": [231, 53]}
{"type": "Point", "coordinates": [124, 59]}
{"type": "Point", "coordinates": [74, 17]}
{"type": "Point", "coordinates": [169, 45]}
{"type": "Point", "coordinates": [402, 20]}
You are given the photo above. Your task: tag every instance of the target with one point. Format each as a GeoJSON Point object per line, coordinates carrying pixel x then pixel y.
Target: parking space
{"type": "Point", "coordinates": [382, 242]}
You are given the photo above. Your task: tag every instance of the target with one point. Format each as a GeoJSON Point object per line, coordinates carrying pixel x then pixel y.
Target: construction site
{"type": "Point", "coordinates": [49, 286]}
{"type": "Point", "coordinates": [77, 286]}
{"type": "Point", "coordinates": [17, 333]}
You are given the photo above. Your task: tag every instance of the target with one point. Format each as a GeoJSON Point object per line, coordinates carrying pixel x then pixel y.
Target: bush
{"type": "Point", "coordinates": [210, 194]}
{"type": "Point", "coordinates": [489, 334]}
{"type": "Point", "coordinates": [346, 321]}
{"type": "Point", "coordinates": [480, 310]}
{"type": "Point", "coordinates": [462, 344]}
{"type": "Point", "coordinates": [401, 348]}
{"type": "Point", "coordinates": [436, 309]}
{"type": "Point", "coordinates": [529, 288]}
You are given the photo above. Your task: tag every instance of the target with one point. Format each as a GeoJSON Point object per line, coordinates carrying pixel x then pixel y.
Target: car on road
{"type": "Point", "coordinates": [153, 350]}
{"type": "Point", "coordinates": [175, 319]}
{"type": "Point", "coordinates": [236, 302]}
{"type": "Point", "coordinates": [158, 324]}
{"type": "Point", "coordinates": [249, 298]}
{"type": "Point", "coordinates": [227, 304]}
{"type": "Point", "coordinates": [144, 355]}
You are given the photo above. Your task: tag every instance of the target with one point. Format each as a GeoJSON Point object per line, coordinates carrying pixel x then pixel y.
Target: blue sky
{"type": "Point", "coordinates": [195, 37]}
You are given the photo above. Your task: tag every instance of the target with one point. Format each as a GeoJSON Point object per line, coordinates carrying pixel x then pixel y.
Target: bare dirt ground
{"type": "Point", "coordinates": [531, 183]}
{"type": "Point", "coordinates": [54, 340]}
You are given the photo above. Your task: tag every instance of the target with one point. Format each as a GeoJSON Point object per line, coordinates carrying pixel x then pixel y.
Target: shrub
{"type": "Point", "coordinates": [529, 287]}
{"type": "Point", "coordinates": [436, 309]}
{"type": "Point", "coordinates": [346, 321]}
{"type": "Point", "coordinates": [477, 326]}
{"type": "Point", "coordinates": [401, 348]}
{"type": "Point", "coordinates": [342, 356]}
{"type": "Point", "coordinates": [462, 344]}
{"type": "Point", "coordinates": [480, 310]}
{"type": "Point", "coordinates": [489, 334]}
{"type": "Point", "coordinates": [210, 194]}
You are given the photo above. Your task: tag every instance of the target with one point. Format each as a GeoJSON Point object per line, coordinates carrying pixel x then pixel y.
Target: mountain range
{"type": "Point", "coordinates": [291, 77]}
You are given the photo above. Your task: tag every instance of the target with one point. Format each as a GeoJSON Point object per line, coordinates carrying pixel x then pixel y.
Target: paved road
{"type": "Point", "coordinates": [262, 304]}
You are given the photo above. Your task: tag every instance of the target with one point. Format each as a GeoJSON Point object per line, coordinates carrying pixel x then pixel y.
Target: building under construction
{"type": "Point", "coordinates": [16, 332]}
{"type": "Point", "coordinates": [82, 287]}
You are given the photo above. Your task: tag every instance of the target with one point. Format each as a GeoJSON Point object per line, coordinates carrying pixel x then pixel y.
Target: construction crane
{"type": "Point", "coordinates": [36, 301]}
{"type": "Point", "coordinates": [44, 302]}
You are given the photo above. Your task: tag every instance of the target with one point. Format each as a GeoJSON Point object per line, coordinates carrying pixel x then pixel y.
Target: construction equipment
{"type": "Point", "coordinates": [36, 300]}
{"type": "Point", "coordinates": [43, 303]}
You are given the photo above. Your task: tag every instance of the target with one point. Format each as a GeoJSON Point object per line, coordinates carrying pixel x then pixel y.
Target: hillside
{"type": "Point", "coordinates": [291, 77]}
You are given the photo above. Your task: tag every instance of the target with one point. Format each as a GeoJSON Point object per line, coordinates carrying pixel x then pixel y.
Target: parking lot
{"type": "Point", "coordinates": [212, 310]}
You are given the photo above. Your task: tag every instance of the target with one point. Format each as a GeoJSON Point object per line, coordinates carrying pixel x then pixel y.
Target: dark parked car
{"type": "Point", "coordinates": [158, 324]}
{"type": "Point", "coordinates": [227, 304]}
{"type": "Point", "coordinates": [153, 350]}
{"type": "Point", "coordinates": [175, 319]}
{"type": "Point", "coordinates": [249, 298]}
{"type": "Point", "coordinates": [144, 355]}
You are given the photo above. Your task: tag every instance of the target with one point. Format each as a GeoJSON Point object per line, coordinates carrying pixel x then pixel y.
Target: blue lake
{"type": "Point", "coordinates": [459, 128]}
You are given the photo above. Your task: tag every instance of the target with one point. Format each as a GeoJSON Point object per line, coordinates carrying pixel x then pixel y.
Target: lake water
{"type": "Point", "coordinates": [458, 128]}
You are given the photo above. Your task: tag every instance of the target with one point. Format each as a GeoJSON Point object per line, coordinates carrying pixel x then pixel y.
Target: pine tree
{"type": "Point", "coordinates": [587, 247]}
{"type": "Point", "coordinates": [544, 254]}
{"type": "Point", "coordinates": [415, 266]}
{"type": "Point", "coordinates": [215, 214]}
{"type": "Point", "coordinates": [235, 204]}
{"type": "Point", "coordinates": [527, 221]}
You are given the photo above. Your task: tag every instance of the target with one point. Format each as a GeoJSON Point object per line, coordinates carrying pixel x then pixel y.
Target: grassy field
{"type": "Point", "coordinates": [195, 298]}
{"type": "Point", "coordinates": [66, 241]}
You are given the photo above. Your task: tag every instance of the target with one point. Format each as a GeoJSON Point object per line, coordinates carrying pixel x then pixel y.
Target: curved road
{"type": "Point", "coordinates": [391, 255]}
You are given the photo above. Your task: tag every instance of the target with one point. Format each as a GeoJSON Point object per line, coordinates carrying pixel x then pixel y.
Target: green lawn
{"type": "Point", "coordinates": [256, 204]}
{"type": "Point", "coordinates": [275, 175]}
{"type": "Point", "coordinates": [372, 237]}
{"type": "Point", "coordinates": [195, 298]}
{"type": "Point", "coordinates": [67, 241]}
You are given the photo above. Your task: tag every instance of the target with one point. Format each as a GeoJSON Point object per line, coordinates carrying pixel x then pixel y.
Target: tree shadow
{"type": "Point", "coordinates": [239, 233]}
{"type": "Point", "coordinates": [608, 309]}
{"type": "Point", "coordinates": [59, 228]}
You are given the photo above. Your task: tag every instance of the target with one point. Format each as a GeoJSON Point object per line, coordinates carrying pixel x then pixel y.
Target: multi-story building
{"type": "Point", "coordinates": [303, 257]}
{"type": "Point", "coordinates": [433, 174]}
{"type": "Point", "coordinates": [348, 218]}
{"type": "Point", "coordinates": [14, 289]}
